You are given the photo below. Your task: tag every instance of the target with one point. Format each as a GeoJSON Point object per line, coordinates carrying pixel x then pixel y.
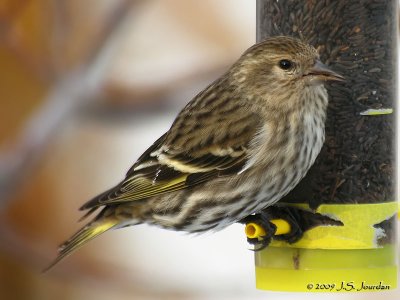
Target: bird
{"type": "Point", "coordinates": [236, 148]}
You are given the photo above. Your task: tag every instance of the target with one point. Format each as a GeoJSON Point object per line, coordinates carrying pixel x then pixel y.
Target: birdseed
{"type": "Point", "coordinates": [358, 40]}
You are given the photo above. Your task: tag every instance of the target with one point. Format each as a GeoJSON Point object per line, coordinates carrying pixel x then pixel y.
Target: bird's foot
{"type": "Point", "coordinates": [261, 239]}
{"type": "Point", "coordinates": [294, 218]}
{"type": "Point", "coordinates": [299, 220]}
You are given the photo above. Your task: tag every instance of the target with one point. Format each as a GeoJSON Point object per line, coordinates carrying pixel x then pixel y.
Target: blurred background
{"type": "Point", "coordinates": [86, 87]}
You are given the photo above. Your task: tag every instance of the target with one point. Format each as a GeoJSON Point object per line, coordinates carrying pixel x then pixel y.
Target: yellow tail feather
{"type": "Point", "coordinates": [87, 233]}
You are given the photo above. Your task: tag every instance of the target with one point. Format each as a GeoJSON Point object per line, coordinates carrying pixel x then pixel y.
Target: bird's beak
{"type": "Point", "coordinates": [322, 72]}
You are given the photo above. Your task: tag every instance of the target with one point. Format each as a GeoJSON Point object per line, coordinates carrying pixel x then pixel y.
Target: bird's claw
{"type": "Point", "coordinates": [262, 220]}
{"type": "Point", "coordinates": [294, 218]}
{"type": "Point", "coordinates": [299, 221]}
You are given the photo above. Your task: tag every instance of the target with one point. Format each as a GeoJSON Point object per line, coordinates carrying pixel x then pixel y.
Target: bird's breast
{"type": "Point", "coordinates": [283, 151]}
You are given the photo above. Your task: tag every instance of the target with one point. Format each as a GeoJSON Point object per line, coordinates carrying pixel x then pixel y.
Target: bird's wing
{"type": "Point", "coordinates": [185, 156]}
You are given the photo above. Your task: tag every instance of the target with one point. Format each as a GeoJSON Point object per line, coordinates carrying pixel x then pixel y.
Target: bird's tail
{"type": "Point", "coordinates": [87, 233]}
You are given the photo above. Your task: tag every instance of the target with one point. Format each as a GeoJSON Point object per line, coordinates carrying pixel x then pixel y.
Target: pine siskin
{"type": "Point", "coordinates": [238, 147]}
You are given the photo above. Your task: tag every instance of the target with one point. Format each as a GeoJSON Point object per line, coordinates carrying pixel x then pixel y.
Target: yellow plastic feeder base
{"type": "Point", "coordinates": [332, 258]}
{"type": "Point", "coordinates": [321, 270]}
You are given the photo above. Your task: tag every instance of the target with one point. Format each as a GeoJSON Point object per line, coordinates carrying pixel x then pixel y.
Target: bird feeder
{"type": "Point", "coordinates": [353, 178]}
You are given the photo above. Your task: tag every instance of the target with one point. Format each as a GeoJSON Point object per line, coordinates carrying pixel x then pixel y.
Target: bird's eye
{"type": "Point", "coordinates": [285, 64]}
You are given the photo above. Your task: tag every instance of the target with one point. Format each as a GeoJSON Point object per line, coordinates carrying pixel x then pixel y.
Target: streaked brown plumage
{"type": "Point", "coordinates": [239, 146]}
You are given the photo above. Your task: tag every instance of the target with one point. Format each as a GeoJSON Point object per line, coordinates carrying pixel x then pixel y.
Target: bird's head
{"type": "Point", "coordinates": [282, 62]}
